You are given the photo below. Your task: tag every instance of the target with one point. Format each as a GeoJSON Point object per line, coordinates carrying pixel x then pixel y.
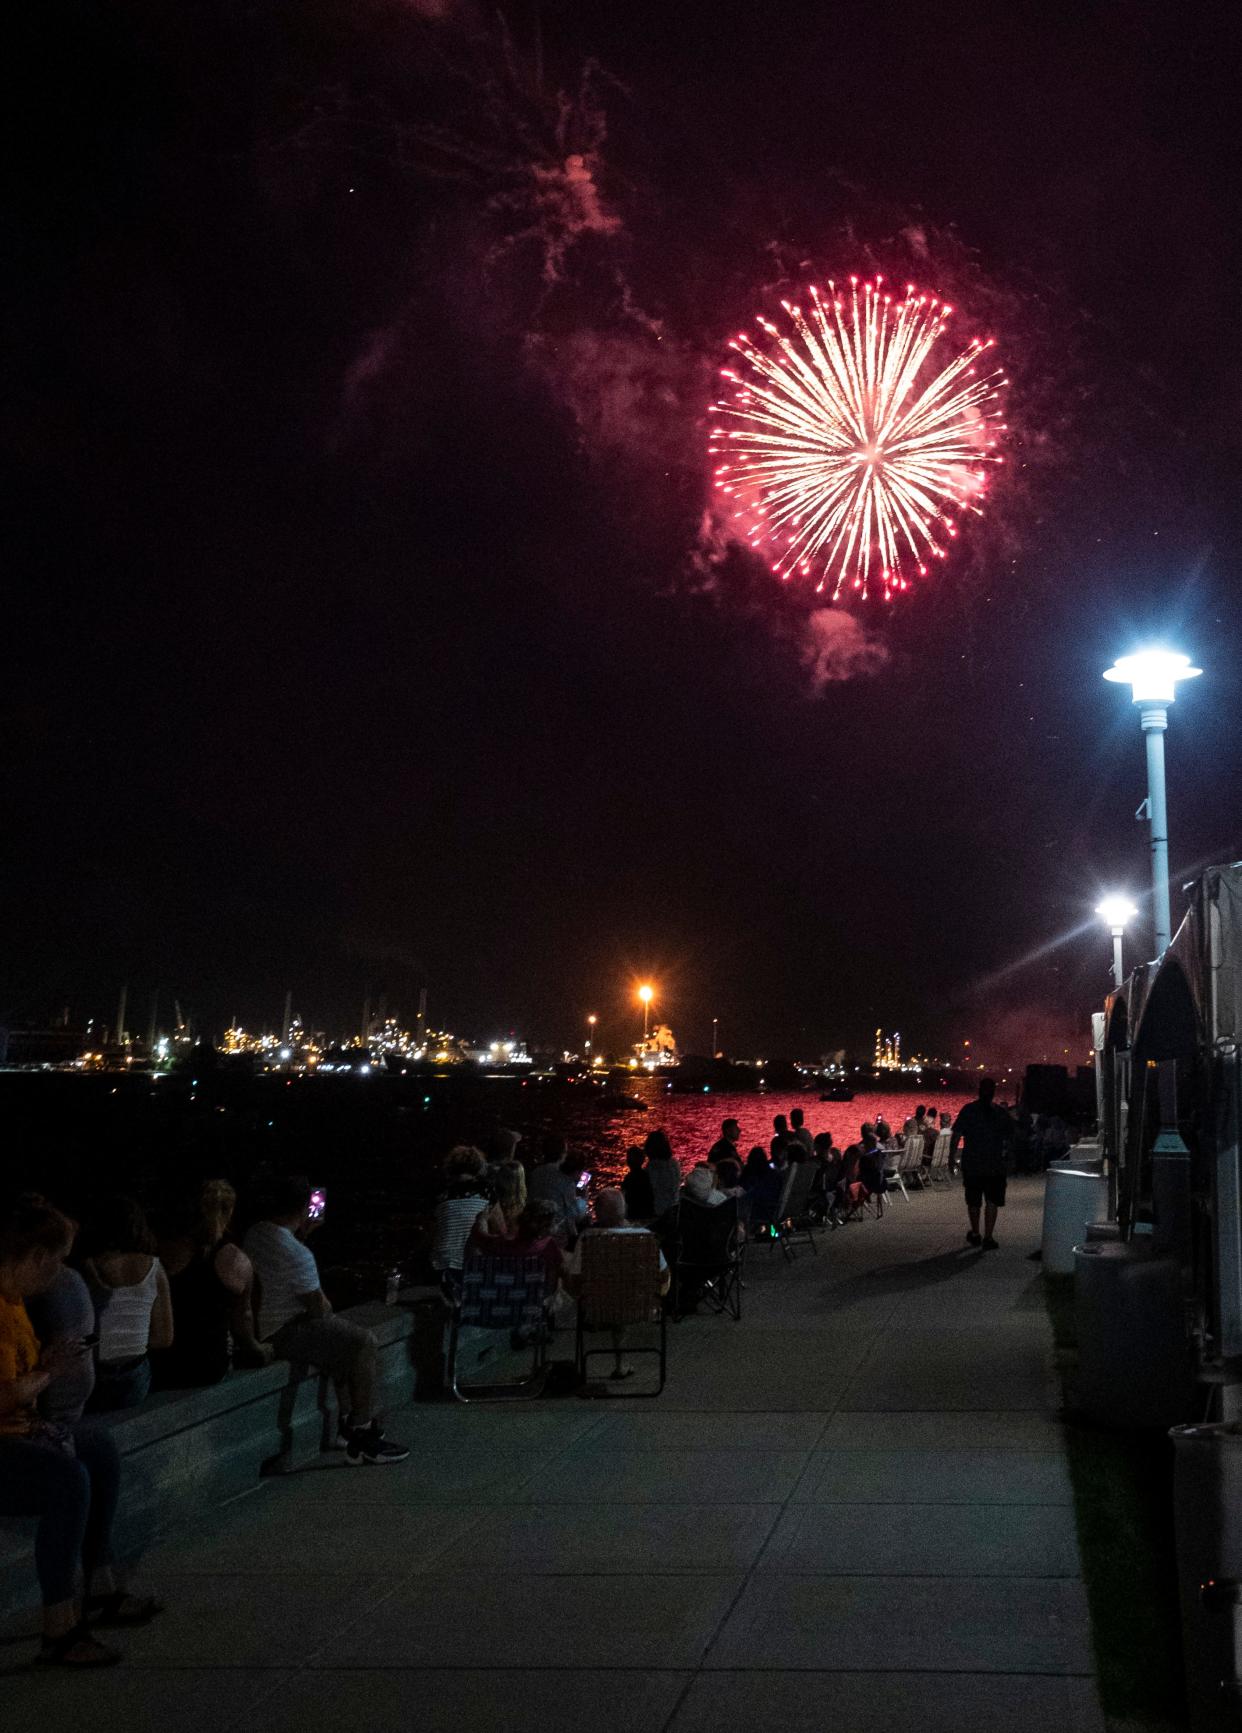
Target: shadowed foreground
{"type": "Point", "coordinates": [851, 1511]}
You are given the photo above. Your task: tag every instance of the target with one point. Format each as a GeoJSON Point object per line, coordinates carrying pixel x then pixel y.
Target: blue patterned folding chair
{"type": "Point", "coordinates": [503, 1294]}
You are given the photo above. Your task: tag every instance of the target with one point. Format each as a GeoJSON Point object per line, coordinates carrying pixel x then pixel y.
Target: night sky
{"type": "Point", "coordinates": [364, 630]}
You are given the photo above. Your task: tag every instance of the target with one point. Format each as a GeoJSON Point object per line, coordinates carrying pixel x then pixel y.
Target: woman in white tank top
{"type": "Point", "coordinates": [133, 1308]}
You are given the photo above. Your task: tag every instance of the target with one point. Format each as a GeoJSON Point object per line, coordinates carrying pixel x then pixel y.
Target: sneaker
{"type": "Point", "coordinates": [990, 1245]}
{"type": "Point", "coordinates": [370, 1449]}
{"type": "Point", "coordinates": [341, 1437]}
{"type": "Point", "coordinates": [974, 1239]}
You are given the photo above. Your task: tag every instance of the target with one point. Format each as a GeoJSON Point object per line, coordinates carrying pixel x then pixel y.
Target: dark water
{"type": "Point", "coordinates": [376, 1144]}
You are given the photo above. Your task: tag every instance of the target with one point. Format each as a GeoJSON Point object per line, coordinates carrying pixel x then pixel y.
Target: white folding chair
{"type": "Point", "coordinates": [895, 1164]}
{"type": "Point", "coordinates": [940, 1156]}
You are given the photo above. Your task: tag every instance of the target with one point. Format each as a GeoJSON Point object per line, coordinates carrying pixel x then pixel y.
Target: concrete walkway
{"type": "Point", "coordinates": [850, 1512]}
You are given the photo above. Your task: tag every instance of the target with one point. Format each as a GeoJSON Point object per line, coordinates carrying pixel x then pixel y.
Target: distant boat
{"type": "Point", "coordinates": [838, 1092]}
{"type": "Point", "coordinates": [621, 1103]}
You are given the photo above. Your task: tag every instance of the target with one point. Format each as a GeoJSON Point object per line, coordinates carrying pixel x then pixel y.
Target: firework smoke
{"type": "Point", "coordinates": [836, 645]}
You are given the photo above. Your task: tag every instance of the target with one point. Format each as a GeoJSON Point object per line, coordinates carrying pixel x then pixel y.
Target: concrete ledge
{"type": "Point", "coordinates": [185, 1451]}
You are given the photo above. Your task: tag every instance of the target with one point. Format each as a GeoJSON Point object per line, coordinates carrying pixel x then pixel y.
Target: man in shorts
{"type": "Point", "coordinates": [984, 1132]}
{"type": "Point", "coordinates": [296, 1317]}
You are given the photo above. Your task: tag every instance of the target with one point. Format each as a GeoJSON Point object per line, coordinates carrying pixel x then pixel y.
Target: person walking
{"type": "Point", "coordinates": [984, 1132]}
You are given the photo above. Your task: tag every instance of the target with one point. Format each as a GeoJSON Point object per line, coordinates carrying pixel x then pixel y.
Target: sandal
{"type": "Point", "coordinates": [120, 1608]}
{"type": "Point", "coordinates": [59, 1651]}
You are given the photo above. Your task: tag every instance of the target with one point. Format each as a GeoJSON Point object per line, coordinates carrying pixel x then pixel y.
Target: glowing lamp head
{"type": "Point", "coordinates": [1152, 675]}
{"type": "Point", "coordinates": [592, 1021]}
{"type": "Point", "coordinates": [645, 994]}
{"type": "Point", "coordinates": [1116, 912]}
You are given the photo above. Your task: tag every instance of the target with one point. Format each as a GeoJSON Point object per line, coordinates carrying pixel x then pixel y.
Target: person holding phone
{"type": "Point", "coordinates": [296, 1318]}
{"type": "Point", "coordinates": [565, 1187]}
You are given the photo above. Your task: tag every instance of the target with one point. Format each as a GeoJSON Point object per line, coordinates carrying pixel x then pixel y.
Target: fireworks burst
{"type": "Point", "coordinates": [855, 439]}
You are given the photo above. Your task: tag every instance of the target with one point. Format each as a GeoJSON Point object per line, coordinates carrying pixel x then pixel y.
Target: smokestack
{"type": "Point", "coordinates": [366, 1018]}
{"type": "Point", "coordinates": [420, 1027]}
{"type": "Point", "coordinates": [120, 1014]}
{"type": "Point", "coordinates": [155, 1013]}
{"type": "Point", "coordinates": [288, 1022]}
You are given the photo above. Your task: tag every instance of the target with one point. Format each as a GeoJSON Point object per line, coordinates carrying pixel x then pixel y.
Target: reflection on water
{"type": "Point", "coordinates": [692, 1122]}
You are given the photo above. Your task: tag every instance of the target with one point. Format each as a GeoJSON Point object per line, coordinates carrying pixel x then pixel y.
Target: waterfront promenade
{"type": "Point", "coordinates": [849, 1512]}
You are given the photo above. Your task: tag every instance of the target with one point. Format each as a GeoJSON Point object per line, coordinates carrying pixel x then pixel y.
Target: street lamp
{"type": "Point", "coordinates": [715, 1037]}
{"type": "Point", "coordinates": [591, 1022]}
{"type": "Point", "coordinates": [1115, 912]}
{"type": "Point", "coordinates": [1152, 677]}
{"type": "Point", "coordinates": [645, 995]}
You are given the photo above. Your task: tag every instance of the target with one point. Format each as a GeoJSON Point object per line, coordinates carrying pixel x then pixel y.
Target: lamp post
{"type": "Point", "coordinates": [1152, 677]}
{"type": "Point", "coordinates": [1115, 912]}
{"type": "Point", "coordinates": [591, 1022]}
{"type": "Point", "coordinates": [715, 1037]}
{"type": "Point", "coordinates": [644, 993]}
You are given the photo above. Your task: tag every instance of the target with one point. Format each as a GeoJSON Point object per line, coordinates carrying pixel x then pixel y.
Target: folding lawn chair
{"type": "Point", "coordinates": [895, 1164]}
{"type": "Point", "coordinates": [796, 1221]}
{"type": "Point", "coordinates": [710, 1249]}
{"type": "Point", "coordinates": [940, 1156]}
{"type": "Point", "coordinates": [766, 1222]}
{"type": "Point", "coordinates": [619, 1288]}
{"type": "Point", "coordinates": [504, 1294]}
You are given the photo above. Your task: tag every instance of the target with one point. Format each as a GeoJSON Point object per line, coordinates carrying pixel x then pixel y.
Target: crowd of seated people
{"type": "Point", "coordinates": [91, 1320]}
{"type": "Point", "coordinates": [54, 1467]}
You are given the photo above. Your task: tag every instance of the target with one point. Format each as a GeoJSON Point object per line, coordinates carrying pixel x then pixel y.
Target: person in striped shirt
{"type": "Point", "coordinates": [465, 1201]}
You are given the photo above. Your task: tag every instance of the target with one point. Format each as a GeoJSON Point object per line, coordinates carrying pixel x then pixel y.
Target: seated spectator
{"type": "Point", "coordinates": [799, 1131]}
{"type": "Point", "coordinates": [609, 1218]}
{"type": "Point", "coordinates": [564, 1188]}
{"type": "Point", "coordinates": [531, 1236]}
{"type": "Point", "coordinates": [211, 1282]}
{"type": "Point", "coordinates": [762, 1183]}
{"type": "Point", "coordinates": [725, 1146]}
{"type": "Point", "coordinates": [296, 1318]}
{"type": "Point", "coordinates": [465, 1198]}
{"type": "Point", "coordinates": [63, 1316]}
{"type": "Point", "coordinates": [851, 1193]}
{"type": "Point", "coordinates": [508, 1176]}
{"type": "Point", "coordinates": [701, 1187]}
{"type": "Point", "coordinates": [68, 1477]}
{"type": "Point", "coordinates": [542, 1174]}
{"type": "Point", "coordinates": [664, 1172]}
{"type": "Point", "coordinates": [133, 1308]}
{"type": "Point", "coordinates": [729, 1176]}
{"type": "Point", "coordinates": [780, 1138]}
{"type": "Point", "coordinates": [871, 1168]}
{"type": "Point", "coordinates": [884, 1133]}
{"type": "Point", "coordinates": [636, 1186]}
{"type": "Point", "coordinates": [824, 1191]}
